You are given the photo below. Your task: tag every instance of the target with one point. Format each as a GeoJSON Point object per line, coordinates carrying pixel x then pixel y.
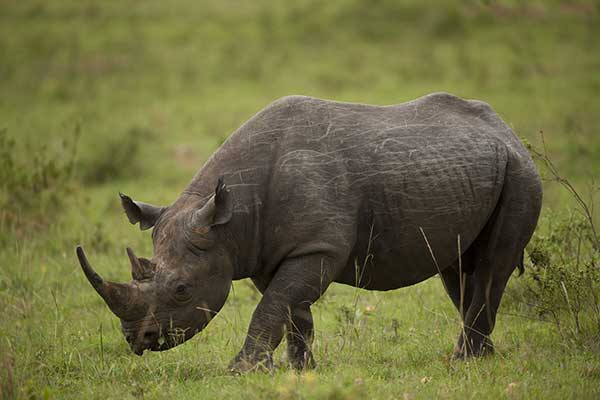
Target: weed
{"type": "Point", "coordinates": [563, 278]}
{"type": "Point", "coordinates": [33, 181]}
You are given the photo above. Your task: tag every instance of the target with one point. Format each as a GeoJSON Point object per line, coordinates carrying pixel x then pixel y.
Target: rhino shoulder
{"type": "Point", "coordinates": [293, 102]}
{"type": "Point", "coordinates": [460, 107]}
{"type": "Point", "coordinates": [452, 101]}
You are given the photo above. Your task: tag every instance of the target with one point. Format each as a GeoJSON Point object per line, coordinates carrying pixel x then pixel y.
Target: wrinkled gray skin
{"type": "Point", "coordinates": [315, 192]}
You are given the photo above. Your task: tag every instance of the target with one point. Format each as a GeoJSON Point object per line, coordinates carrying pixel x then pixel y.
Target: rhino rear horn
{"type": "Point", "coordinates": [137, 211]}
{"type": "Point", "coordinates": [121, 298]}
{"type": "Point", "coordinates": [218, 210]}
{"type": "Point", "coordinates": [141, 268]}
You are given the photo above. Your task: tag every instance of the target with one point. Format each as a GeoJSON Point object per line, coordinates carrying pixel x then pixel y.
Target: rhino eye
{"type": "Point", "coordinates": [181, 289]}
{"type": "Point", "coordinates": [182, 292]}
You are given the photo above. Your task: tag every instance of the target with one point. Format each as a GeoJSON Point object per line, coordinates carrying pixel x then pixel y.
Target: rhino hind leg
{"type": "Point", "coordinates": [460, 289]}
{"type": "Point", "coordinates": [472, 341]}
{"type": "Point", "coordinates": [493, 257]}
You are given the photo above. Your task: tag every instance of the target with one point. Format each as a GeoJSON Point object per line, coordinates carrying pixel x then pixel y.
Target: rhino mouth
{"type": "Point", "coordinates": [161, 345]}
{"type": "Point", "coordinates": [167, 340]}
{"type": "Point", "coordinates": [170, 340]}
{"type": "Point", "coordinates": [164, 343]}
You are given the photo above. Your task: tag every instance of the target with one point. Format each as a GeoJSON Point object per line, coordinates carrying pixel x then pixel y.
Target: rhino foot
{"type": "Point", "coordinates": [479, 346]}
{"type": "Point", "coordinates": [242, 364]}
{"type": "Point", "coordinates": [303, 361]}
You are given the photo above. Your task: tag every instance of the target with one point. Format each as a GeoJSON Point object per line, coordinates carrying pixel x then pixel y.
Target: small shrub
{"type": "Point", "coordinates": [33, 181]}
{"type": "Point", "coordinates": [562, 280]}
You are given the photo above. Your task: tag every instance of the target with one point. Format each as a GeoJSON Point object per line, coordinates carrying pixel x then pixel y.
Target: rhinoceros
{"type": "Point", "coordinates": [309, 192]}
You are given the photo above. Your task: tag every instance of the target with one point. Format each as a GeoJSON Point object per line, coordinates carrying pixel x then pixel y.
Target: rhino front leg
{"type": "Point", "coordinates": [297, 284]}
{"type": "Point", "coordinates": [300, 333]}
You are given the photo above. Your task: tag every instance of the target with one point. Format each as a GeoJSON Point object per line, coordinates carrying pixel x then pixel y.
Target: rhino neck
{"type": "Point", "coordinates": [245, 162]}
{"type": "Point", "coordinates": [241, 236]}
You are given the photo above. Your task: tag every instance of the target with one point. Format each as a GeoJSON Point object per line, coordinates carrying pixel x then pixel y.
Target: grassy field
{"type": "Point", "coordinates": [98, 98]}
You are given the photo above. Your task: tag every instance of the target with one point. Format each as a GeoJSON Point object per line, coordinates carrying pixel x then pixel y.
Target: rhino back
{"type": "Point", "coordinates": [356, 179]}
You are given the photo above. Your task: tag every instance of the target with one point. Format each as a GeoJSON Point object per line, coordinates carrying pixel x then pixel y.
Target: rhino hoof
{"type": "Point", "coordinates": [462, 352]}
{"type": "Point", "coordinates": [306, 361]}
{"type": "Point", "coordinates": [242, 365]}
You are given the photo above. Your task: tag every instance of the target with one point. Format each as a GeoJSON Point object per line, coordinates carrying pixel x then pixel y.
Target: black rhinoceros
{"type": "Point", "coordinates": [309, 192]}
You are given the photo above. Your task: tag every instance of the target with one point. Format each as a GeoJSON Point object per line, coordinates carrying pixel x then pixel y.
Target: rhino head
{"type": "Point", "coordinates": [176, 293]}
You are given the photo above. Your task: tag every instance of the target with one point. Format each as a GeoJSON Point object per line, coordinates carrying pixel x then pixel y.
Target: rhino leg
{"type": "Point", "coordinates": [298, 283]}
{"type": "Point", "coordinates": [460, 291]}
{"type": "Point", "coordinates": [495, 254]}
{"type": "Point", "coordinates": [474, 340]}
{"type": "Point", "coordinates": [299, 331]}
{"type": "Point", "coordinates": [300, 334]}
{"type": "Point", "coordinates": [476, 343]}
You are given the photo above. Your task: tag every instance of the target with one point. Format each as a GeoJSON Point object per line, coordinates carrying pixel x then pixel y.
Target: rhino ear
{"type": "Point", "coordinates": [217, 210]}
{"type": "Point", "coordinates": [136, 211]}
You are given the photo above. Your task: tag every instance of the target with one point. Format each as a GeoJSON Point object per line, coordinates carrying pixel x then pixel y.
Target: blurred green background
{"type": "Point", "coordinates": [133, 96]}
{"type": "Point", "coordinates": [183, 76]}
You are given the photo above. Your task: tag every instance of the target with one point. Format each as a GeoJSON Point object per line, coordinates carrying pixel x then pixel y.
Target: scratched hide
{"type": "Point", "coordinates": [307, 173]}
{"type": "Point", "coordinates": [309, 192]}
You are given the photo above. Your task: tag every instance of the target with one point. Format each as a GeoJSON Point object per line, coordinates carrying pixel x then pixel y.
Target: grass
{"type": "Point", "coordinates": [143, 93]}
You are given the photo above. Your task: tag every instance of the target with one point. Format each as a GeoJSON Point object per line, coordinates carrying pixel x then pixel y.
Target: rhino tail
{"type": "Point", "coordinates": [521, 264]}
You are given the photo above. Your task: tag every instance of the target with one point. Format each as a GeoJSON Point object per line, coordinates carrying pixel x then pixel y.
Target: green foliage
{"type": "Point", "coordinates": [563, 279]}
{"type": "Point", "coordinates": [33, 180]}
{"type": "Point", "coordinates": [562, 282]}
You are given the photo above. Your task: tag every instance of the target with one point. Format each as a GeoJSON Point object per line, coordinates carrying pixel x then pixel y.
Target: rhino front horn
{"type": "Point", "coordinates": [121, 298]}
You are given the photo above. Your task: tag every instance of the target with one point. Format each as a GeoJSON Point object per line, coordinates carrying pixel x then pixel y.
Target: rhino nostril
{"type": "Point", "coordinates": [129, 338]}
{"type": "Point", "coordinates": [150, 335]}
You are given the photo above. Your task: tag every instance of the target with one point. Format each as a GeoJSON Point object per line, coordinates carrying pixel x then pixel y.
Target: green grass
{"type": "Point", "coordinates": [153, 88]}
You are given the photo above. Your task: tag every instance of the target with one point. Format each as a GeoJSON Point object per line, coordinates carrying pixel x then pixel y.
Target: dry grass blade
{"type": "Point", "coordinates": [7, 384]}
{"type": "Point", "coordinates": [584, 207]}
